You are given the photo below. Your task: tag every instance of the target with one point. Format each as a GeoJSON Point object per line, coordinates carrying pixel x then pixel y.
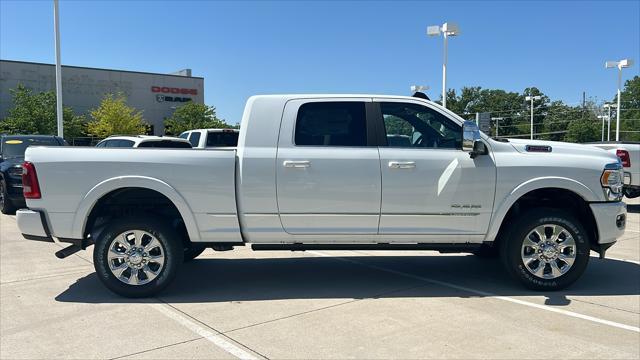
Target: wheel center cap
{"type": "Point", "coordinates": [135, 259]}
{"type": "Point", "coordinates": [549, 252]}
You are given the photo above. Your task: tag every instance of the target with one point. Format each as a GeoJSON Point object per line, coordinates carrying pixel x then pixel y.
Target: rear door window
{"type": "Point", "coordinates": [331, 124]}
{"type": "Point", "coordinates": [124, 143]}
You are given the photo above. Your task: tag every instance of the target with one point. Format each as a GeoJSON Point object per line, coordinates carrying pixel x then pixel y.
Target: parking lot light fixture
{"type": "Point", "coordinates": [624, 63]}
{"type": "Point", "coordinates": [532, 99]}
{"type": "Point", "coordinates": [447, 29]}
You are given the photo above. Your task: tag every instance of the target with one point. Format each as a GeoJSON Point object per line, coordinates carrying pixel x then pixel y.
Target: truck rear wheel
{"type": "Point", "coordinates": [6, 207]}
{"type": "Point", "coordinates": [546, 249]}
{"type": "Point", "coordinates": [137, 257]}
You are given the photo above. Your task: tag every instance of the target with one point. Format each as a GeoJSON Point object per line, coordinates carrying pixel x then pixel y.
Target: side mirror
{"type": "Point", "coordinates": [471, 140]}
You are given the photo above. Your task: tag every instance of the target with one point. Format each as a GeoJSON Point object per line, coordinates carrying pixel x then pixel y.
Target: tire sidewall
{"type": "Point", "coordinates": [168, 240]}
{"type": "Point", "coordinates": [6, 207]}
{"type": "Point", "coordinates": [512, 247]}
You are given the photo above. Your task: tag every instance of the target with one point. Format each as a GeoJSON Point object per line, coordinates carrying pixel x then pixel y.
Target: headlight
{"type": "Point", "coordinates": [611, 181]}
{"type": "Point", "coordinates": [15, 171]}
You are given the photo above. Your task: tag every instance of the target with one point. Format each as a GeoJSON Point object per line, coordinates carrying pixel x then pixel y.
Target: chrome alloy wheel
{"type": "Point", "coordinates": [135, 257]}
{"type": "Point", "coordinates": [548, 251]}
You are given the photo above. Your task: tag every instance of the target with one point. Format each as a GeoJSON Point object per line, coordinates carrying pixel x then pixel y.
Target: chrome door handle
{"type": "Point", "coordinates": [296, 164]}
{"type": "Point", "coordinates": [402, 164]}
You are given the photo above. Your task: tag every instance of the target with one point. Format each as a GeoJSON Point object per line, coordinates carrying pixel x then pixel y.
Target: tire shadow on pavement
{"type": "Point", "coordinates": [210, 280]}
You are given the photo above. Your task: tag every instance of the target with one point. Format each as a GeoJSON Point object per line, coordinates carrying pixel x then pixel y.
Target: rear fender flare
{"type": "Point", "coordinates": [100, 190]}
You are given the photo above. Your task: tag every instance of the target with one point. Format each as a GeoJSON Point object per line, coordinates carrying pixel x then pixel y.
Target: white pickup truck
{"type": "Point", "coordinates": [320, 172]}
{"type": "Point", "coordinates": [629, 154]}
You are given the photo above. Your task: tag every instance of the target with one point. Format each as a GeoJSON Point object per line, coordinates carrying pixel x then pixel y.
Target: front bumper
{"type": "Point", "coordinates": [33, 225]}
{"type": "Point", "coordinates": [611, 218]}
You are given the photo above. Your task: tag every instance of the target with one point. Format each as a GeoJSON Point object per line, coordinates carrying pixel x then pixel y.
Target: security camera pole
{"type": "Point", "coordinates": [56, 24]}
{"type": "Point", "coordinates": [624, 63]}
{"type": "Point", "coordinates": [532, 98]}
{"type": "Point", "coordinates": [447, 29]}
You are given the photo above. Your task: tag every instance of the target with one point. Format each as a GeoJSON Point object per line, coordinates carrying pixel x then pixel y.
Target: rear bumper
{"type": "Point", "coordinates": [33, 225]}
{"type": "Point", "coordinates": [611, 218]}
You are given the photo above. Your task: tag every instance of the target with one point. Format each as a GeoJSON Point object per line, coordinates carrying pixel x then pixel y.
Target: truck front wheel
{"type": "Point", "coordinates": [546, 249]}
{"type": "Point", "coordinates": [137, 257]}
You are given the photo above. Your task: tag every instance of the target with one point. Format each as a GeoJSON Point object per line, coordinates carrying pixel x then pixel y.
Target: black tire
{"type": "Point", "coordinates": [193, 252]}
{"type": "Point", "coordinates": [170, 244]}
{"type": "Point", "coordinates": [6, 206]}
{"type": "Point", "coordinates": [511, 248]}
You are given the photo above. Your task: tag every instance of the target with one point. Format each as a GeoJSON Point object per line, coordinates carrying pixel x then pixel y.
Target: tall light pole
{"type": "Point", "coordinates": [56, 24]}
{"type": "Point", "coordinates": [447, 29]}
{"type": "Point", "coordinates": [532, 98]}
{"type": "Point", "coordinates": [624, 63]}
{"type": "Point", "coordinates": [602, 117]}
{"type": "Point", "coordinates": [609, 106]}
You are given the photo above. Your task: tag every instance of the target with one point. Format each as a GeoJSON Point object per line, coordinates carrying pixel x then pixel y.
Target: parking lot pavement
{"type": "Point", "coordinates": [349, 304]}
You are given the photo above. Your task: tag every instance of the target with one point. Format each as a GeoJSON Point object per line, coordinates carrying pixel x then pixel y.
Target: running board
{"type": "Point", "coordinates": [443, 248]}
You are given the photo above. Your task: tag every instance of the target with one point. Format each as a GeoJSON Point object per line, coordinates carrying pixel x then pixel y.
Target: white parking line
{"type": "Point", "coordinates": [619, 259]}
{"type": "Point", "coordinates": [488, 294]}
{"type": "Point", "coordinates": [217, 340]}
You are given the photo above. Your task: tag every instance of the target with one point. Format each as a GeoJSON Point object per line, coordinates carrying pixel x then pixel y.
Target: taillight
{"type": "Point", "coordinates": [30, 185]}
{"type": "Point", "coordinates": [624, 157]}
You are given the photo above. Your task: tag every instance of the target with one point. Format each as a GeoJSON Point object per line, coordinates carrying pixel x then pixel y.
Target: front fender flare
{"type": "Point", "coordinates": [97, 192]}
{"type": "Point", "coordinates": [502, 208]}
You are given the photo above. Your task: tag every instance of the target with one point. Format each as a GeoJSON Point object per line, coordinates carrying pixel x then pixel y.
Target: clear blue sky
{"type": "Point", "coordinates": [247, 48]}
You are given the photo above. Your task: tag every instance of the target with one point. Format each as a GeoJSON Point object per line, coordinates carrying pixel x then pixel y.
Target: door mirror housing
{"type": "Point", "coordinates": [471, 140]}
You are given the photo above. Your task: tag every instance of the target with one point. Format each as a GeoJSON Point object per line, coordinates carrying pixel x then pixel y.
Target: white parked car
{"type": "Point", "coordinates": [629, 154]}
{"type": "Point", "coordinates": [212, 138]}
{"type": "Point", "coordinates": [319, 172]}
{"type": "Point", "coordinates": [142, 141]}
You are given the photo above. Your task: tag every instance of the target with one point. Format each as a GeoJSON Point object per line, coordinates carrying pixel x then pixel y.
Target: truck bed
{"type": "Point", "coordinates": [199, 182]}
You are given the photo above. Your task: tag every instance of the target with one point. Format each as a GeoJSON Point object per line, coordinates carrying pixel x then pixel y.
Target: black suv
{"type": "Point", "coordinates": [12, 148]}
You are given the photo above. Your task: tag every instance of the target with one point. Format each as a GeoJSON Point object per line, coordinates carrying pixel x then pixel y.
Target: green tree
{"type": "Point", "coordinates": [557, 120]}
{"type": "Point", "coordinates": [630, 114]}
{"type": "Point", "coordinates": [583, 130]}
{"type": "Point", "coordinates": [114, 116]}
{"type": "Point", "coordinates": [36, 114]}
{"type": "Point", "coordinates": [193, 116]}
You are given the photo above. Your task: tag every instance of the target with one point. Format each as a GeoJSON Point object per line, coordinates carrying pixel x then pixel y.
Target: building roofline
{"type": "Point", "coordinates": [102, 69]}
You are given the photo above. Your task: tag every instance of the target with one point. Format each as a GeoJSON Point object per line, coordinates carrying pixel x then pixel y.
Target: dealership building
{"type": "Point", "coordinates": [83, 88]}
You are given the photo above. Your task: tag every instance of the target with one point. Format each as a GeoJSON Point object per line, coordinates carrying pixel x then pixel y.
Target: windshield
{"type": "Point", "coordinates": [15, 147]}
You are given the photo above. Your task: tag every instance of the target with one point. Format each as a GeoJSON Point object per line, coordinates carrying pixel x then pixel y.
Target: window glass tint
{"type": "Point", "coordinates": [14, 146]}
{"type": "Point", "coordinates": [222, 139]}
{"type": "Point", "coordinates": [124, 143]}
{"type": "Point", "coordinates": [331, 124]}
{"type": "Point", "coordinates": [117, 143]}
{"type": "Point", "coordinates": [194, 139]}
{"type": "Point", "coordinates": [167, 144]}
{"type": "Point", "coordinates": [413, 125]}
{"type": "Point", "coordinates": [101, 144]}
{"type": "Point", "coordinates": [184, 135]}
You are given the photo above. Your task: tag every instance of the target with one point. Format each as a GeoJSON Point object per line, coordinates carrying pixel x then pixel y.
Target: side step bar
{"type": "Point", "coordinates": [443, 248]}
